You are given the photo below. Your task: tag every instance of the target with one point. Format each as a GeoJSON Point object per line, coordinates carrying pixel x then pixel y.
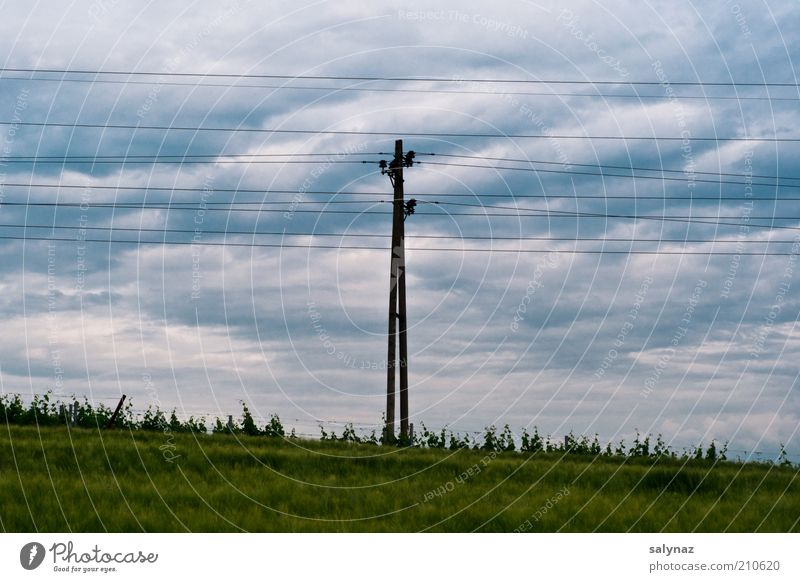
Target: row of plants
{"type": "Point", "coordinates": [47, 411]}
{"type": "Point", "coordinates": [504, 440]}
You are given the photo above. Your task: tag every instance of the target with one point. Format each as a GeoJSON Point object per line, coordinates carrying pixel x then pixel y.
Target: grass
{"type": "Point", "coordinates": [82, 480]}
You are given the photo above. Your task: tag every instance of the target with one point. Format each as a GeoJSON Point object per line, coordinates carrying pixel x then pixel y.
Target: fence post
{"type": "Point", "coordinates": [113, 418]}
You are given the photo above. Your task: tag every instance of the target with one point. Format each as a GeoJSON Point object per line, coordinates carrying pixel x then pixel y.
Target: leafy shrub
{"type": "Point", "coordinates": [248, 424]}
{"type": "Point", "coordinates": [532, 444]}
{"type": "Point", "coordinates": [431, 439]}
{"type": "Point", "coordinates": [640, 447]}
{"type": "Point", "coordinates": [274, 427]}
{"type": "Point", "coordinates": [349, 434]}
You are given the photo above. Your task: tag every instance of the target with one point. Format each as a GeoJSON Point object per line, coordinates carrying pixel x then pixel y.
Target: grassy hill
{"type": "Point", "coordinates": [83, 480]}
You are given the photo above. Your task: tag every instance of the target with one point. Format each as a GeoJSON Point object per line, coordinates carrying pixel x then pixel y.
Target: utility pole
{"type": "Point", "coordinates": [402, 322]}
{"type": "Point", "coordinates": [396, 176]}
{"type": "Point", "coordinates": [397, 297]}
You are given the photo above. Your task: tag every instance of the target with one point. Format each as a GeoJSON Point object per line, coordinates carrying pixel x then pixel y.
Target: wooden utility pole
{"type": "Point", "coordinates": [397, 300]}
{"type": "Point", "coordinates": [403, 328]}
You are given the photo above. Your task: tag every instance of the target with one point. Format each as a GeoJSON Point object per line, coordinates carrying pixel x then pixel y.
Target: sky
{"type": "Point", "coordinates": [691, 346]}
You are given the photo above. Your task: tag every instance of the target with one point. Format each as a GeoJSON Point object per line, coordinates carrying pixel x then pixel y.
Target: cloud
{"type": "Point", "coordinates": [563, 341]}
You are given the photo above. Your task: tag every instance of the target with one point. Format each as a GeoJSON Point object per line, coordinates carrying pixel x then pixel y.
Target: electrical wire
{"type": "Point", "coordinates": [568, 214]}
{"type": "Point", "coordinates": [413, 249]}
{"type": "Point", "coordinates": [222, 159]}
{"type": "Point", "coordinates": [613, 167]}
{"type": "Point", "coordinates": [177, 160]}
{"type": "Point", "coordinates": [332, 89]}
{"type": "Point", "coordinates": [537, 213]}
{"type": "Point", "coordinates": [139, 127]}
{"type": "Point", "coordinates": [396, 78]}
{"type": "Point", "coordinates": [353, 193]}
{"type": "Point", "coordinates": [193, 189]}
{"type": "Point", "coordinates": [188, 155]}
{"type": "Point", "coordinates": [571, 214]}
{"type": "Point", "coordinates": [609, 175]}
{"type": "Point", "coordinates": [200, 231]}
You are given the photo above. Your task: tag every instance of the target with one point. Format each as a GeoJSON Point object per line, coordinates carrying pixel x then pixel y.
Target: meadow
{"type": "Point", "coordinates": [65, 478]}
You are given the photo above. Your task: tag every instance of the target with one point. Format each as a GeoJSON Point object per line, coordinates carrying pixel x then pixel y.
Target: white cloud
{"type": "Point", "coordinates": [248, 333]}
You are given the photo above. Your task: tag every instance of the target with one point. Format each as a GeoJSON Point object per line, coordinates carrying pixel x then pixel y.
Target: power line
{"type": "Point", "coordinates": [194, 189]}
{"type": "Point", "coordinates": [188, 155]}
{"type": "Point", "coordinates": [430, 79]}
{"type": "Point", "coordinates": [664, 197]}
{"type": "Point", "coordinates": [613, 167]}
{"type": "Point", "coordinates": [185, 158]}
{"type": "Point", "coordinates": [609, 175]}
{"type": "Point", "coordinates": [182, 160]}
{"type": "Point", "coordinates": [517, 211]}
{"type": "Point", "coordinates": [539, 213]}
{"type": "Point", "coordinates": [382, 249]}
{"type": "Point", "coordinates": [191, 205]}
{"type": "Point", "coordinates": [334, 89]}
{"type": "Point", "coordinates": [189, 159]}
{"type": "Point", "coordinates": [194, 206]}
{"type": "Point", "coordinates": [570, 214]}
{"type": "Point", "coordinates": [383, 235]}
{"type": "Point", "coordinates": [353, 193]}
{"type": "Point", "coordinates": [138, 127]}
{"type": "Point", "coordinates": [257, 159]}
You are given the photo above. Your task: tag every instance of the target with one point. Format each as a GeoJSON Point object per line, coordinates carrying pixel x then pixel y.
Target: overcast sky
{"type": "Point", "coordinates": [696, 347]}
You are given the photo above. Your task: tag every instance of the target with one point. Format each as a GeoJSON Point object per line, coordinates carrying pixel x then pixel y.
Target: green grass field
{"type": "Point", "coordinates": [82, 480]}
